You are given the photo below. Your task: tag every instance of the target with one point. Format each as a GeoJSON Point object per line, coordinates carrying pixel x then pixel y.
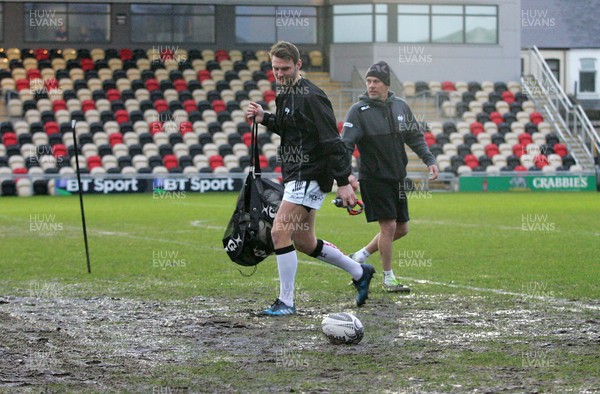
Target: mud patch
{"type": "Point", "coordinates": [425, 343]}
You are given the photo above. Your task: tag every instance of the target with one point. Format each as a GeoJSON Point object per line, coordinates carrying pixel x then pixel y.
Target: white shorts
{"type": "Point", "coordinates": [304, 193]}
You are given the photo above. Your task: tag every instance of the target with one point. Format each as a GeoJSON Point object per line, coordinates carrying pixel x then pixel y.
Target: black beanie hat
{"type": "Point", "coordinates": [380, 70]}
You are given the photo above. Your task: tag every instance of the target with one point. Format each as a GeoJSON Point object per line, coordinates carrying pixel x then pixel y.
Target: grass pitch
{"type": "Point", "coordinates": [505, 298]}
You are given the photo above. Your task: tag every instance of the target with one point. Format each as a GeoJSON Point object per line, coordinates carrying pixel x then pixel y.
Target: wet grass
{"type": "Point", "coordinates": [456, 333]}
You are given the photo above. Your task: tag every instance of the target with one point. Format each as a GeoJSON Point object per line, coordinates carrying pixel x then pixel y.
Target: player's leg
{"type": "Point", "coordinates": [306, 242]}
{"type": "Point", "coordinates": [363, 254]}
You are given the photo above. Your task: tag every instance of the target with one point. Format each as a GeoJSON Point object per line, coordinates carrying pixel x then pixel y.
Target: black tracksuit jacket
{"type": "Point", "coordinates": [311, 147]}
{"type": "Point", "coordinates": [380, 130]}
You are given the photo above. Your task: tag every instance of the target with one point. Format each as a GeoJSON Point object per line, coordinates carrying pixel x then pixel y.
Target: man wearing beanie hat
{"type": "Point", "coordinates": [380, 124]}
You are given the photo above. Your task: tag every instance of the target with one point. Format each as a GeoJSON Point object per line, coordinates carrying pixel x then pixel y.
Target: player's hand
{"type": "Point", "coordinates": [353, 182]}
{"type": "Point", "coordinates": [255, 111]}
{"type": "Point", "coordinates": [434, 172]}
{"type": "Point", "coordinates": [347, 195]}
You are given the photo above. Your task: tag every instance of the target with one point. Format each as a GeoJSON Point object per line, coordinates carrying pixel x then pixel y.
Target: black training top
{"type": "Point", "coordinates": [311, 147]}
{"type": "Point", "coordinates": [380, 130]}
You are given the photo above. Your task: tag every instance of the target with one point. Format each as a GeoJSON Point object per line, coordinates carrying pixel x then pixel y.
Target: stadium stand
{"type": "Point", "coordinates": [141, 111]}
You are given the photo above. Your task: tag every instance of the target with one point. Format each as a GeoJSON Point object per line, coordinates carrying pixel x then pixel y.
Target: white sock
{"type": "Point", "coordinates": [287, 264]}
{"type": "Point", "coordinates": [388, 276]}
{"type": "Point", "coordinates": [332, 255]}
{"type": "Point", "coordinates": [361, 256]}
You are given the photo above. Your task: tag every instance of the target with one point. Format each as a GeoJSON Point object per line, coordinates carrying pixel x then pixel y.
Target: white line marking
{"type": "Point", "coordinates": [560, 301]}
{"type": "Point", "coordinates": [505, 292]}
{"type": "Point", "coordinates": [200, 223]}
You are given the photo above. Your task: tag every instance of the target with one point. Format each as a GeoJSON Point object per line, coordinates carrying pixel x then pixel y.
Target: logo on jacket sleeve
{"type": "Point", "coordinates": [365, 107]}
{"type": "Point", "coordinates": [348, 124]}
{"type": "Point", "coordinates": [401, 118]}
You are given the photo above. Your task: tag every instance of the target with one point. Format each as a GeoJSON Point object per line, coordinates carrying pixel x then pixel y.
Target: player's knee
{"type": "Point", "coordinates": [401, 230]}
{"type": "Point", "coordinates": [305, 245]}
{"type": "Point", "coordinates": [279, 234]}
{"type": "Point", "coordinates": [388, 227]}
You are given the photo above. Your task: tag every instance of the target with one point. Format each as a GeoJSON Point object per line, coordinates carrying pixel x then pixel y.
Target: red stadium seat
{"type": "Point", "coordinates": [22, 84]}
{"type": "Point", "coordinates": [508, 96]}
{"type": "Point", "coordinates": [219, 105]}
{"type": "Point", "coordinates": [518, 150]}
{"type": "Point", "coordinates": [126, 54]}
{"type": "Point", "coordinates": [121, 116]}
{"type": "Point", "coordinates": [476, 128]}
{"type": "Point", "coordinates": [58, 104]}
{"type": "Point", "coordinates": [215, 161]}
{"type": "Point", "coordinates": [167, 54]}
{"type": "Point", "coordinates": [20, 171]}
{"type": "Point", "coordinates": [540, 161]}
{"type": "Point", "coordinates": [520, 168]}
{"type": "Point", "coordinates": [472, 161]}
{"type": "Point", "coordinates": [525, 139]}
{"type": "Point", "coordinates": [496, 117]}
{"type": "Point", "coordinates": [247, 139]}
{"type": "Point", "coordinates": [9, 139]}
{"type": "Point", "coordinates": [161, 105]}
{"type": "Point", "coordinates": [170, 161]}
{"type": "Point", "coordinates": [264, 162]}
{"type": "Point", "coordinates": [448, 86]}
{"type": "Point", "coordinates": [559, 149]}
{"type": "Point", "coordinates": [491, 150]}
{"type": "Point", "coordinates": [59, 150]}
{"type": "Point", "coordinates": [113, 95]}
{"type": "Point", "coordinates": [115, 138]}
{"type": "Point", "coordinates": [203, 75]}
{"type": "Point", "coordinates": [270, 76]}
{"type": "Point", "coordinates": [34, 73]}
{"type": "Point", "coordinates": [51, 84]}
{"type": "Point", "coordinates": [86, 105]}
{"type": "Point", "coordinates": [269, 95]}
{"type": "Point", "coordinates": [51, 127]}
{"type": "Point", "coordinates": [186, 127]}
{"type": "Point", "coordinates": [189, 106]}
{"type": "Point", "coordinates": [93, 162]}
{"type": "Point", "coordinates": [41, 54]}
{"type": "Point", "coordinates": [180, 85]}
{"type": "Point", "coordinates": [221, 55]}
{"type": "Point", "coordinates": [536, 118]}
{"type": "Point", "coordinates": [155, 127]}
{"type": "Point", "coordinates": [87, 64]}
{"type": "Point", "coordinates": [429, 138]}
{"type": "Point", "coordinates": [152, 84]}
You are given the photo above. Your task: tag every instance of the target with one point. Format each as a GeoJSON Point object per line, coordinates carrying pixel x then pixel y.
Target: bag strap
{"type": "Point", "coordinates": [255, 162]}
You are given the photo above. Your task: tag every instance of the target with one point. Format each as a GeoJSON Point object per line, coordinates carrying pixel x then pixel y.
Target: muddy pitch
{"type": "Point", "coordinates": [125, 345]}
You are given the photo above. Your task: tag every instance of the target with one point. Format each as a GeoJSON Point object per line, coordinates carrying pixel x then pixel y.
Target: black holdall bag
{"type": "Point", "coordinates": [247, 239]}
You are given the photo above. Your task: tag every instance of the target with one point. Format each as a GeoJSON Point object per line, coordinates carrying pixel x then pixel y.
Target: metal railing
{"type": "Point", "coordinates": [568, 120]}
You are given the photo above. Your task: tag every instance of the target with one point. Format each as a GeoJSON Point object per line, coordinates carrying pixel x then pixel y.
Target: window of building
{"type": "Point", "coordinates": [73, 22]}
{"type": "Point", "coordinates": [264, 24]}
{"type": "Point", "coordinates": [1, 22]}
{"type": "Point", "coordinates": [447, 24]}
{"type": "Point", "coordinates": [554, 65]}
{"type": "Point", "coordinates": [587, 76]}
{"type": "Point", "coordinates": [360, 23]}
{"type": "Point", "coordinates": [168, 23]}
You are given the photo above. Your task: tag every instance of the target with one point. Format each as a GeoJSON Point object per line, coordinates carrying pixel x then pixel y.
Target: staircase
{"type": "Point", "coordinates": [568, 120]}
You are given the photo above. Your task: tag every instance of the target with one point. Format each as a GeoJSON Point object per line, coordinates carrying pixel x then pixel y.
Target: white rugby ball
{"type": "Point", "coordinates": [342, 329]}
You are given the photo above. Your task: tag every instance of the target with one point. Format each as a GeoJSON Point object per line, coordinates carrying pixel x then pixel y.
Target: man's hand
{"type": "Point", "coordinates": [255, 111]}
{"type": "Point", "coordinates": [434, 172]}
{"type": "Point", "coordinates": [347, 195]}
{"type": "Point", "coordinates": [353, 182]}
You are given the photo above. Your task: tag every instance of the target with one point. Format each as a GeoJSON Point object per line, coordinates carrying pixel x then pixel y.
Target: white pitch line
{"type": "Point", "coordinates": [499, 227]}
{"type": "Point", "coordinates": [505, 292]}
{"type": "Point", "coordinates": [479, 289]}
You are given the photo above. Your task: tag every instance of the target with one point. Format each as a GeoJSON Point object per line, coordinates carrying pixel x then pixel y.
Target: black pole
{"type": "Point", "coordinates": [87, 251]}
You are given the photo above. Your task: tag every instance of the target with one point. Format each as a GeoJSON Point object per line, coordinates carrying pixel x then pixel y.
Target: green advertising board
{"type": "Point", "coordinates": [527, 183]}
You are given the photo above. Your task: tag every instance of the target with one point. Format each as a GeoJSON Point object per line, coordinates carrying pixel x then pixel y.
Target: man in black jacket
{"type": "Point", "coordinates": [379, 125]}
{"type": "Point", "coordinates": [312, 156]}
